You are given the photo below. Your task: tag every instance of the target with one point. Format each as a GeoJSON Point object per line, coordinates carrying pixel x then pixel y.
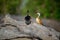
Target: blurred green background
{"type": "Point", "coordinates": [48, 8]}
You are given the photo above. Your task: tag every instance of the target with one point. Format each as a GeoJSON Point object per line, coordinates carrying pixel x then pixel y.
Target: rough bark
{"type": "Point", "coordinates": [14, 29]}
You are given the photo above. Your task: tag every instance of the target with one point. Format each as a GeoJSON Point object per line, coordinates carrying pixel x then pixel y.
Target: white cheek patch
{"type": "Point", "coordinates": [38, 14]}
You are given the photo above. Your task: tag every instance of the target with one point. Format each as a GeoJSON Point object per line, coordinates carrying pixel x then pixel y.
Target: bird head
{"type": "Point", "coordinates": [27, 12]}
{"type": "Point", "coordinates": [38, 14]}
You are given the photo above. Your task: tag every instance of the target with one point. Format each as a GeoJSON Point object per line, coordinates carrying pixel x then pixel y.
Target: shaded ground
{"type": "Point", "coordinates": [22, 39]}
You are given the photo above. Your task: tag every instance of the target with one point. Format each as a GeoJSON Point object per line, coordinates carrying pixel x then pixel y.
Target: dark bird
{"type": "Point", "coordinates": [28, 18]}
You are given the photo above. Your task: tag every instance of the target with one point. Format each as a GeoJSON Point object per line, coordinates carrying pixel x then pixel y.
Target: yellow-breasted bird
{"type": "Point", "coordinates": [38, 20]}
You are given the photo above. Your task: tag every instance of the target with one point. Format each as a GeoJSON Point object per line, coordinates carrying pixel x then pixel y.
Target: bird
{"type": "Point", "coordinates": [38, 20]}
{"type": "Point", "coordinates": [28, 18]}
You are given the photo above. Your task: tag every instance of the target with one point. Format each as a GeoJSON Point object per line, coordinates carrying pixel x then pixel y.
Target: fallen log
{"type": "Point", "coordinates": [33, 30]}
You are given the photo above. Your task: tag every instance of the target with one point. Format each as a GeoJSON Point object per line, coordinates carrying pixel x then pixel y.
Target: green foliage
{"type": "Point", "coordinates": [47, 8]}
{"type": "Point", "coordinates": [10, 5]}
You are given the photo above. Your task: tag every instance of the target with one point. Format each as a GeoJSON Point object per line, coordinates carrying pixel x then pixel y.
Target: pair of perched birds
{"type": "Point", "coordinates": [28, 18]}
